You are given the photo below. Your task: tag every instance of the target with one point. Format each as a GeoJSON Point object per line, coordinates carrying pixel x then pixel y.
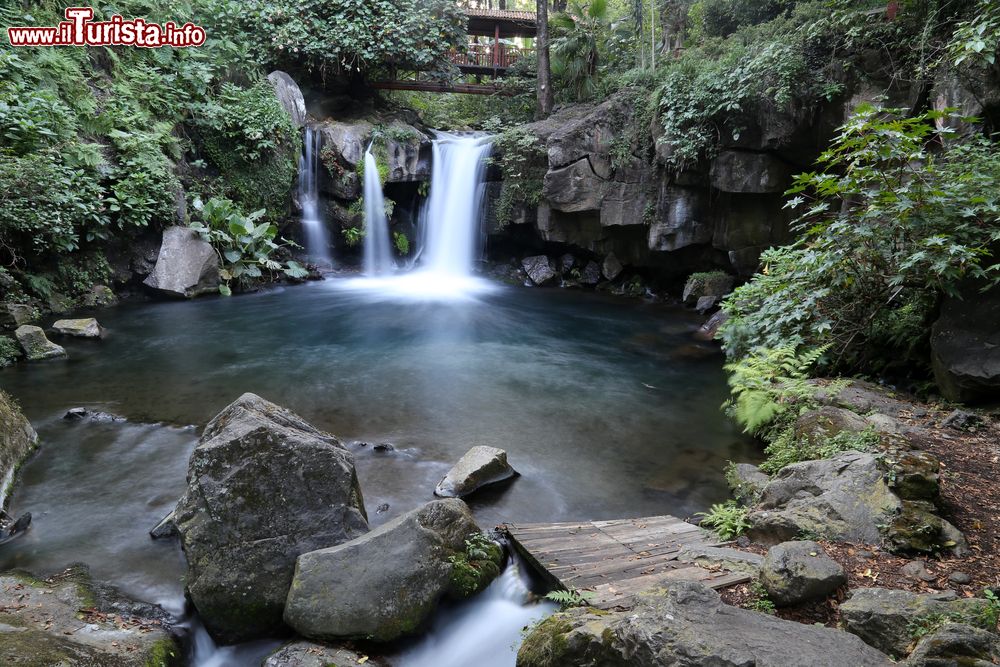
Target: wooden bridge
{"type": "Point", "coordinates": [616, 560]}
{"type": "Point", "coordinates": [490, 52]}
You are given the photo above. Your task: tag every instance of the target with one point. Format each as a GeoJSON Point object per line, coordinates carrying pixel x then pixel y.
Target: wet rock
{"type": "Point", "coordinates": [17, 440]}
{"type": "Point", "coordinates": [80, 414]}
{"type": "Point", "coordinates": [383, 448]}
{"type": "Point", "coordinates": [688, 624]}
{"type": "Point", "coordinates": [382, 509]}
{"type": "Point", "coordinates": [842, 498]}
{"type": "Point", "coordinates": [264, 486]}
{"type": "Point", "coordinates": [956, 645]}
{"type": "Point", "coordinates": [706, 303]}
{"type": "Point", "coordinates": [539, 269]}
{"type": "Point", "coordinates": [81, 328]}
{"type": "Point", "coordinates": [301, 653]}
{"type": "Point", "coordinates": [49, 625]}
{"type": "Point", "coordinates": [478, 467]}
{"type": "Point", "coordinates": [166, 528]}
{"type": "Point", "coordinates": [885, 618]}
{"type": "Point", "coordinates": [13, 315]}
{"type": "Point", "coordinates": [965, 346]}
{"type": "Point", "coordinates": [799, 571]}
{"type": "Point", "coordinates": [290, 96]}
{"type": "Point", "coordinates": [386, 582]}
{"type": "Point", "coordinates": [714, 283]}
{"type": "Point", "coordinates": [746, 482]}
{"type": "Point", "coordinates": [591, 274]}
{"type": "Point", "coordinates": [716, 558]}
{"type": "Point", "coordinates": [710, 328]}
{"type": "Point", "coordinates": [567, 262]}
{"type": "Point", "coordinates": [961, 420]}
{"type": "Point", "coordinates": [36, 346]}
{"type": "Point", "coordinates": [611, 268]}
{"type": "Point", "coordinates": [186, 265]}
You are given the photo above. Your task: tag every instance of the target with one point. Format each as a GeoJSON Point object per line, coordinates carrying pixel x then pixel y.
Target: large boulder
{"type": "Point", "coordinates": [13, 315]}
{"type": "Point", "coordinates": [956, 644]}
{"type": "Point", "coordinates": [688, 625]}
{"type": "Point", "coordinates": [36, 346]}
{"type": "Point", "coordinates": [478, 467]}
{"type": "Point", "coordinates": [539, 269]}
{"type": "Point", "coordinates": [750, 172]}
{"type": "Point", "coordinates": [290, 96]}
{"type": "Point", "coordinates": [799, 571]}
{"type": "Point", "coordinates": [86, 327]}
{"type": "Point", "coordinates": [385, 584]}
{"type": "Point", "coordinates": [264, 486]}
{"type": "Point", "coordinates": [17, 441]}
{"type": "Point", "coordinates": [187, 266]}
{"type": "Point", "coordinates": [965, 346]}
{"type": "Point", "coordinates": [889, 619]}
{"type": "Point", "coordinates": [842, 498]}
{"type": "Point", "coordinates": [67, 620]}
{"type": "Point", "coordinates": [301, 653]}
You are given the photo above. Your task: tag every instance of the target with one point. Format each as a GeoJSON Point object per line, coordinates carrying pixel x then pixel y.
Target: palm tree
{"type": "Point", "coordinates": [574, 47]}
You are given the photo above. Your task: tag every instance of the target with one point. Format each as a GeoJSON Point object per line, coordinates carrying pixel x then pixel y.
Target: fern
{"type": "Point", "coordinates": [567, 599]}
{"type": "Point", "coordinates": [728, 519]}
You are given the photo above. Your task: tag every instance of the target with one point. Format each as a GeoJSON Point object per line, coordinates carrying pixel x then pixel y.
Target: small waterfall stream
{"type": "Point", "coordinates": [378, 248]}
{"type": "Point", "coordinates": [316, 237]}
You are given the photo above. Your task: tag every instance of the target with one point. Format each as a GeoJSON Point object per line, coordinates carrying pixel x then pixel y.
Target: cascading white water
{"type": "Point", "coordinates": [452, 216]}
{"type": "Point", "coordinates": [378, 248]}
{"type": "Point", "coordinates": [484, 631]}
{"type": "Point", "coordinates": [316, 237]}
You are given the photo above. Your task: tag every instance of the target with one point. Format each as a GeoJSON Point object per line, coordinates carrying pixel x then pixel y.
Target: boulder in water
{"type": "Point", "coordinates": [36, 346]}
{"type": "Point", "coordinates": [688, 625]}
{"type": "Point", "coordinates": [17, 441]}
{"type": "Point", "coordinates": [385, 584]}
{"type": "Point", "coordinates": [539, 269]}
{"type": "Point", "coordinates": [264, 486]}
{"type": "Point", "coordinates": [478, 467]}
{"type": "Point", "coordinates": [80, 328]}
{"type": "Point", "coordinates": [301, 653]}
{"type": "Point", "coordinates": [187, 266]}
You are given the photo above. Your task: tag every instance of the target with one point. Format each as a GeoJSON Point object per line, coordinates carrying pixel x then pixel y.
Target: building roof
{"type": "Point", "coordinates": [501, 14]}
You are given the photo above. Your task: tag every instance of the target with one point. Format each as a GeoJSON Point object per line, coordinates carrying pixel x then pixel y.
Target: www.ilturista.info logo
{"type": "Point", "coordinates": [79, 30]}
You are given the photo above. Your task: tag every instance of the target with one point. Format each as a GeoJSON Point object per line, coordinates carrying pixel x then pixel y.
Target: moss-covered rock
{"type": "Point", "coordinates": [36, 346]}
{"type": "Point", "coordinates": [17, 441]}
{"type": "Point", "coordinates": [69, 620]}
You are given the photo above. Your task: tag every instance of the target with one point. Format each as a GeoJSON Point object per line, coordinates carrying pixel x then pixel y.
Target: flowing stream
{"type": "Point", "coordinates": [316, 237]}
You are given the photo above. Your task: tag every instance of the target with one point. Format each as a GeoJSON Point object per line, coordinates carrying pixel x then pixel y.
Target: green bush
{"type": "Point", "coordinates": [728, 519]}
{"type": "Point", "coordinates": [10, 351]}
{"type": "Point", "coordinates": [524, 161]}
{"type": "Point", "coordinates": [887, 227]}
{"type": "Point", "coordinates": [720, 18]}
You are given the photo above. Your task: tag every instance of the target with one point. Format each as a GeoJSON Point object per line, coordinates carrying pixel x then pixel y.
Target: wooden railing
{"type": "Point", "coordinates": [490, 56]}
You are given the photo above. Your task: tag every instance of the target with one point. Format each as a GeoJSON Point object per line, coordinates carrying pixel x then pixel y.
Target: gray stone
{"type": "Point", "coordinates": [862, 398]}
{"type": "Point", "coordinates": [44, 622]}
{"type": "Point", "coordinates": [611, 268]}
{"type": "Point", "coordinates": [263, 487]}
{"type": "Point", "coordinates": [80, 414]}
{"type": "Point", "coordinates": [714, 283]}
{"type": "Point", "coordinates": [36, 346]}
{"type": "Point", "coordinates": [956, 645]}
{"type": "Point", "coordinates": [799, 571]}
{"type": "Point", "coordinates": [746, 482]}
{"type": "Point", "coordinates": [706, 303]}
{"type": "Point", "coordinates": [719, 558]}
{"type": "Point", "coordinates": [290, 96]}
{"type": "Point", "coordinates": [478, 467]}
{"type": "Point", "coordinates": [961, 420]}
{"type": "Point", "coordinates": [13, 315]}
{"type": "Point", "coordinates": [383, 585]}
{"type": "Point", "coordinates": [80, 328]}
{"type": "Point", "coordinates": [17, 440]}
{"type": "Point", "coordinates": [842, 498]}
{"type": "Point", "coordinates": [756, 173]}
{"type": "Point", "coordinates": [301, 653]}
{"type": "Point", "coordinates": [539, 269]}
{"type": "Point", "coordinates": [167, 527]}
{"type": "Point", "coordinates": [681, 219]}
{"type": "Point", "coordinates": [567, 262]}
{"type": "Point", "coordinates": [710, 328]}
{"type": "Point", "coordinates": [187, 266]}
{"type": "Point", "coordinates": [960, 578]}
{"type": "Point", "coordinates": [591, 274]}
{"type": "Point", "coordinates": [99, 296]}
{"type": "Point", "coordinates": [884, 617]}
{"type": "Point", "coordinates": [688, 625]}
{"type": "Point", "coordinates": [917, 571]}
{"type": "Point", "coordinates": [345, 141]}
{"type": "Point", "coordinates": [965, 346]}
{"type": "Point", "coordinates": [819, 425]}
{"type": "Point", "coordinates": [406, 160]}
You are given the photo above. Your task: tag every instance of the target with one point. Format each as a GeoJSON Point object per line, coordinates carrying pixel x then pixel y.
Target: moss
{"type": "Point", "coordinates": [546, 644]}
{"type": "Point", "coordinates": [164, 653]}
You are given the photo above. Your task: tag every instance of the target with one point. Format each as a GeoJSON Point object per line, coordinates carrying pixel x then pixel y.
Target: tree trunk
{"type": "Point", "coordinates": [544, 76]}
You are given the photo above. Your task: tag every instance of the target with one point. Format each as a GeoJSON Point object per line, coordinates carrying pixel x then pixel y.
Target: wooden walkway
{"type": "Point", "coordinates": [615, 560]}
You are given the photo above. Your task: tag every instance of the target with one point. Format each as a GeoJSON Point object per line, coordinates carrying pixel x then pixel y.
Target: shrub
{"type": "Point", "coordinates": [523, 159]}
{"type": "Point", "coordinates": [10, 351]}
{"type": "Point", "coordinates": [728, 519]}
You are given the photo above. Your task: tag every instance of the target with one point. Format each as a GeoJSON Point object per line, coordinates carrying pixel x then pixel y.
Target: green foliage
{"type": "Point", "coordinates": [523, 159]}
{"type": "Point", "coordinates": [720, 18]}
{"type": "Point", "coordinates": [770, 383]}
{"type": "Point", "coordinates": [244, 246]}
{"type": "Point", "coordinates": [476, 567]}
{"type": "Point", "coordinates": [575, 55]}
{"type": "Point", "coordinates": [759, 600]}
{"type": "Point", "coordinates": [10, 351]}
{"type": "Point", "coordinates": [985, 618]}
{"type": "Point", "coordinates": [344, 36]}
{"type": "Point", "coordinates": [887, 227]}
{"type": "Point", "coordinates": [786, 449]}
{"type": "Point", "coordinates": [977, 39]}
{"type": "Point", "coordinates": [353, 235]}
{"type": "Point", "coordinates": [402, 243]}
{"type": "Point", "coordinates": [567, 599]}
{"type": "Point", "coordinates": [728, 519]}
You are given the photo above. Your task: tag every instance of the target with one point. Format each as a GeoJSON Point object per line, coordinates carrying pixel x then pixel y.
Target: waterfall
{"type": "Point", "coordinates": [378, 248]}
{"type": "Point", "coordinates": [316, 238]}
{"type": "Point", "coordinates": [451, 219]}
